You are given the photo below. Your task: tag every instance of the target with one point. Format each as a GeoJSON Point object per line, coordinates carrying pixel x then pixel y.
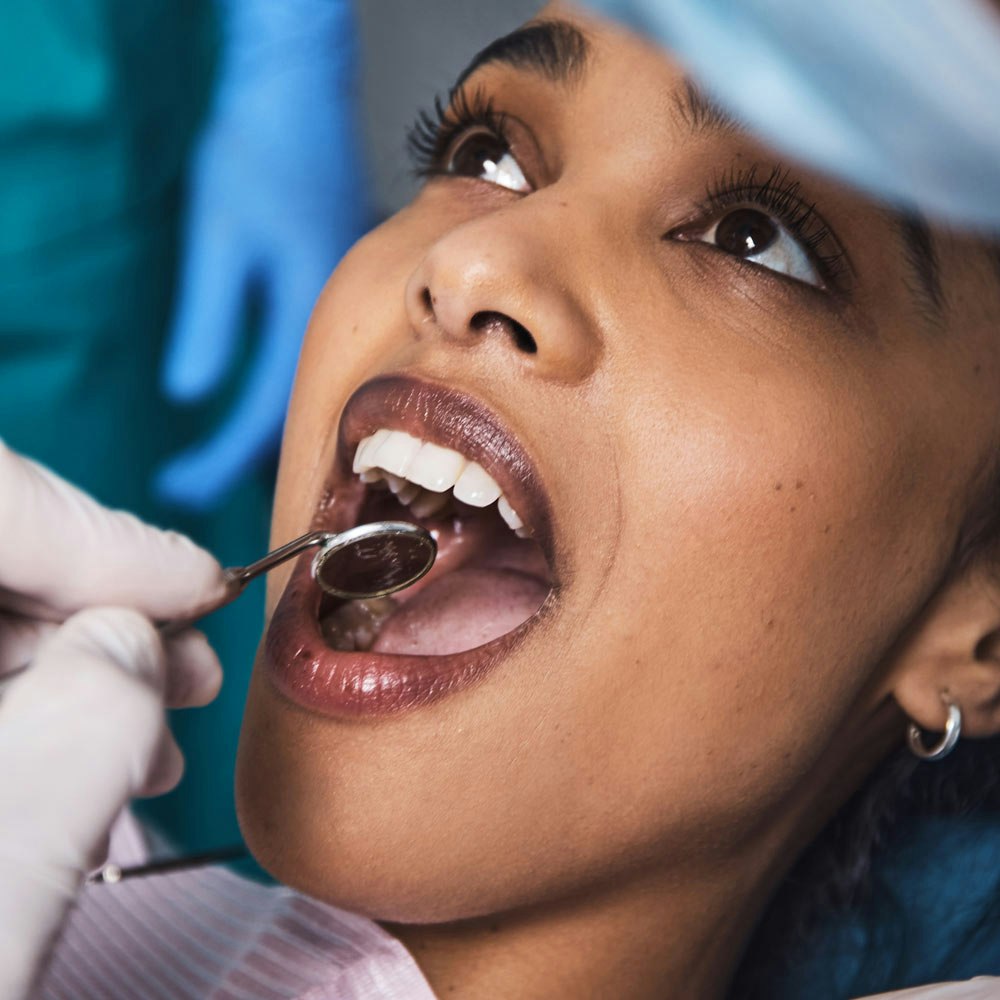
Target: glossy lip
{"type": "Point", "coordinates": [364, 684]}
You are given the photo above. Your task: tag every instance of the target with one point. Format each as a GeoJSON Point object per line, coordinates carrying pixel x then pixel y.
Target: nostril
{"type": "Point", "coordinates": [523, 338]}
{"type": "Point", "coordinates": [482, 322]}
{"type": "Point", "coordinates": [428, 300]}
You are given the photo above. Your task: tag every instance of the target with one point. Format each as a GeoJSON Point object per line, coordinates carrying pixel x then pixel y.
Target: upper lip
{"type": "Point", "coordinates": [453, 420]}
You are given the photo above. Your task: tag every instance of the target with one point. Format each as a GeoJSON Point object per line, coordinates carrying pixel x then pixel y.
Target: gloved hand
{"type": "Point", "coordinates": [899, 98]}
{"type": "Point", "coordinates": [82, 728]}
{"type": "Point", "coordinates": [277, 196]}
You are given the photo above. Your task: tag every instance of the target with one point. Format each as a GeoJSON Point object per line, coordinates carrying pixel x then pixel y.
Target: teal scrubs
{"type": "Point", "coordinates": [100, 102]}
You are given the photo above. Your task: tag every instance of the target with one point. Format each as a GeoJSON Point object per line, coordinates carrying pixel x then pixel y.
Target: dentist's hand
{"type": "Point", "coordinates": [278, 193]}
{"type": "Point", "coordinates": [82, 727]}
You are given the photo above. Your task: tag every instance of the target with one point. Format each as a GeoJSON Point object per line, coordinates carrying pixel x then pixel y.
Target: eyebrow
{"type": "Point", "coordinates": [702, 112]}
{"type": "Point", "coordinates": [920, 255]}
{"type": "Point", "coordinates": [559, 51]}
{"type": "Point", "coordinates": [553, 48]}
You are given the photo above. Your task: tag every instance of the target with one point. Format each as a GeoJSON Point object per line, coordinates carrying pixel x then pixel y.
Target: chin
{"type": "Point", "coordinates": [340, 833]}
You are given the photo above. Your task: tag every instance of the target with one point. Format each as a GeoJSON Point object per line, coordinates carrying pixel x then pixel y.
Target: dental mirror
{"type": "Point", "coordinates": [371, 560]}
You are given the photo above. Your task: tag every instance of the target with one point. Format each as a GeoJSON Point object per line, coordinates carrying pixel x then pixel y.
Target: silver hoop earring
{"type": "Point", "coordinates": [952, 731]}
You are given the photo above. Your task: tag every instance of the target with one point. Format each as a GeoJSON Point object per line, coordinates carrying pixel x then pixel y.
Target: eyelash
{"type": "Point", "coordinates": [434, 132]}
{"type": "Point", "coordinates": [778, 194]}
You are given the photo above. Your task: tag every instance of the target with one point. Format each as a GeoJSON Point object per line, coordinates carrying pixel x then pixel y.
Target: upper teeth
{"type": "Point", "coordinates": [420, 474]}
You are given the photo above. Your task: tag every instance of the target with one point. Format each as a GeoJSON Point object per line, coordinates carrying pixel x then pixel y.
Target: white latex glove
{"type": "Point", "coordinates": [82, 729]}
{"type": "Point", "coordinates": [980, 988]}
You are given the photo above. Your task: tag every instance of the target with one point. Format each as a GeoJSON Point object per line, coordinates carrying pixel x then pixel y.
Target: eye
{"type": "Point", "coordinates": [758, 237]}
{"type": "Point", "coordinates": [481, 154]}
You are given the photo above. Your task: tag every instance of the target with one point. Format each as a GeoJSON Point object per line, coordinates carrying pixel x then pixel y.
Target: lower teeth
{"type": "Point", "coordinates": [354, 626]}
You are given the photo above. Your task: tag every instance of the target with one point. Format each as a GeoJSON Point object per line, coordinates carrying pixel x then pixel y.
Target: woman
{"type": "Point", "coordinates": [745, 423]}
{"type": "Point", "coordinates": [751, 472]}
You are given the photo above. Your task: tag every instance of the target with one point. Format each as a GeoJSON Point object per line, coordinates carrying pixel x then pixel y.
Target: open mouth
{"type": "Point", "coordinates": [411, 451]}
{"type": "Point", "coordinates": [489, 577]}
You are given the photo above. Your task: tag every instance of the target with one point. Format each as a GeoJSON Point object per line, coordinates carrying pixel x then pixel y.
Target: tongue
{"type": "Point", "coordinates": [461, 610]}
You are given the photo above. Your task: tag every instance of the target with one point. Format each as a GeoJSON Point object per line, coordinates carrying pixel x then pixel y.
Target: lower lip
{"type": "Point", "coordinates": [351, 685]}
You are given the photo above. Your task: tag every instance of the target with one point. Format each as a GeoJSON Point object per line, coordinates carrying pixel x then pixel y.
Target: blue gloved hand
{"type": "Point", "coordinates": [899, 97]}
{"type": "Point", "coordinates": [278, 194]}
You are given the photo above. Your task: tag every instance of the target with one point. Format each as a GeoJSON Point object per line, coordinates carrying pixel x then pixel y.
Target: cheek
{"type": "Point", "coordinates": [762, 571]}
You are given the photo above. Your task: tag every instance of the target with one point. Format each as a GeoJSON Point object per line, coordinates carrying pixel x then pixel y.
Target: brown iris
{"type": "Point", "coordinates": [475, 151]}
{"type": "Point", "coordinates": [745, 232]}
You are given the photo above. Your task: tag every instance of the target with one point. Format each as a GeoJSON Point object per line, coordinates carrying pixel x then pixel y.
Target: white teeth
{"type": "Point", "coordinates": [475, 486]}
{"type": "Point", "coordinates": [427, 503]}
{"type": "Point", "coordinates": [420, 474]}
{"type": "Point", "coordinates": [435, 468]}
{"type": "Point", "coordinates": [404, 490]}
{"type": "Point", "coordinates": [509, 515]}
{"type": "Point", "coordinates": [394, 453]}
{"type": "Point", "coordinates": [367, 449]}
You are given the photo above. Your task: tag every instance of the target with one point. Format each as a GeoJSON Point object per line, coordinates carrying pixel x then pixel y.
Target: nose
{"type": "Point", "coordinates": [507, 278]}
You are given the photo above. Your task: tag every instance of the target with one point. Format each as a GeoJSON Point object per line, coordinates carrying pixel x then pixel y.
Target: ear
{"type": "Point", "coordinates": [953, 652]}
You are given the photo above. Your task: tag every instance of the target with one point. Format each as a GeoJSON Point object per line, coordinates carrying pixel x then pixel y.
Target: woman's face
{"type": "Point", "coordinates": [743, 436]}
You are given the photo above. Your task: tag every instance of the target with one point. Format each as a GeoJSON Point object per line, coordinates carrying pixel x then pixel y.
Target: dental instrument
{"type": "Point", "coordinates": [370, 560]}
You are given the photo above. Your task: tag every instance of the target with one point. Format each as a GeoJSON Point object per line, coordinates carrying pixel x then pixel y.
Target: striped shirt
{"type": "Point", "coordinates": [209, 934]}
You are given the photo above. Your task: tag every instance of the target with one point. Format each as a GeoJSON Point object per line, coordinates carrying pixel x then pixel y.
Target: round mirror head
{"type": "Point", "coordinates": [372, 560]}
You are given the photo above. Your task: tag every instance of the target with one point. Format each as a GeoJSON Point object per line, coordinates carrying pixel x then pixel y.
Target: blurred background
{"type": "Point", "coordinates": [412, 51]}
{"type": "Point", "coordinates": [177, 179]}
